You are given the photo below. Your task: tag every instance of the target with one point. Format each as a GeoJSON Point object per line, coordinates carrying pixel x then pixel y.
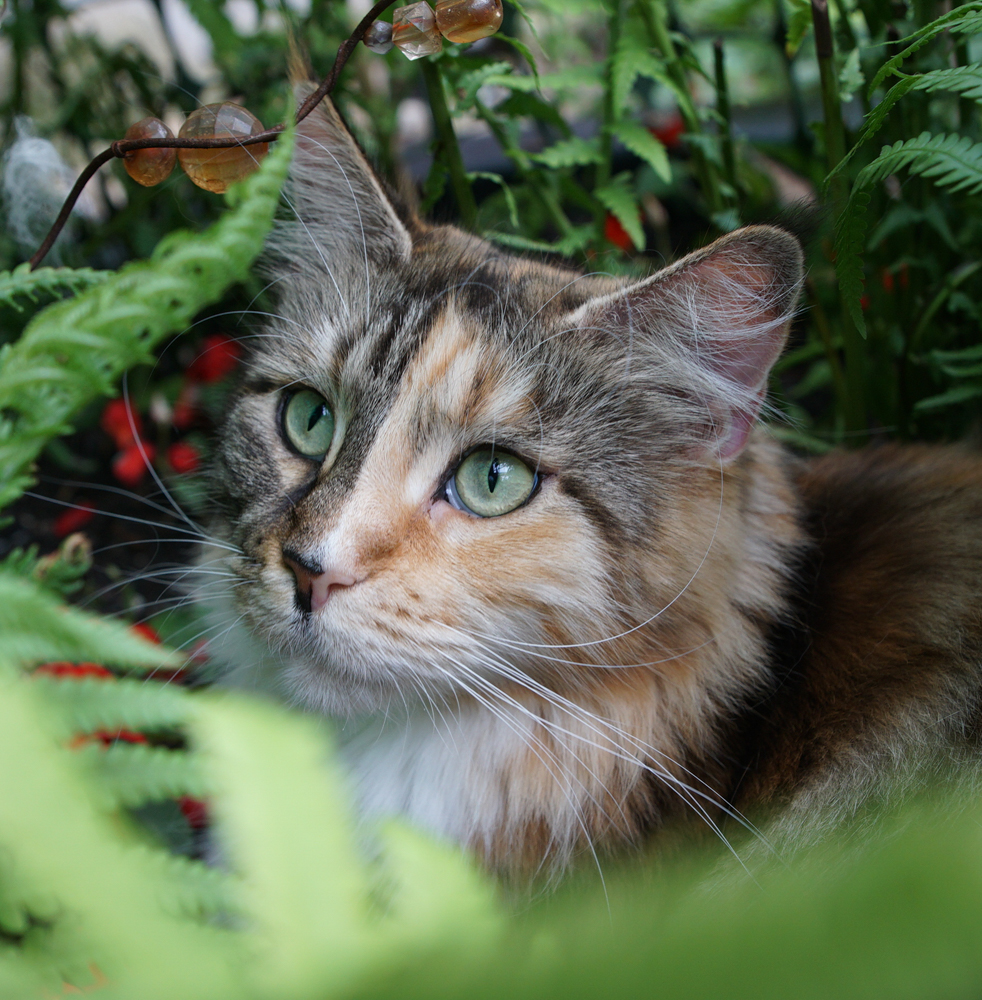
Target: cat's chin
{"type": "Point", "coordinates": [340, 693]}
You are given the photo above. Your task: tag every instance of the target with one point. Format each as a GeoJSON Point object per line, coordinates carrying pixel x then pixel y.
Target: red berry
{"type": "Point", "coordinates": [669, 133]}
{"type": "Point", "coordinates": [147, 632]}
{"type": "Point", "coordinates": [76, 671]}
{"type": "Point", "coordinates": [219, 356]}
{"type": "Point", "coordinates": [183, 457]}
{"type": "Point", "coordinates": [195, 812]}
{"type": "Point", "coordinates": [72, 520]}
{"type": "Point", "coordinates": [186, 407]}
{"type": "Point", "coordinates": [116, 422]}
{"type": "Point", "coordinates": [886, 280]}
{"type": "Point", "coordinates": [130, 465]}
{"type": "Point", "coordinates": [615, 233]}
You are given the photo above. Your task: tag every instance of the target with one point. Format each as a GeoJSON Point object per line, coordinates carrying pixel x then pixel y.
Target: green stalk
{"type": "Point", "coordinates": [835, 150]}
{"type": "Point", "coordinates": [446, 147]}
{"type": "Point", "coordinates": [528, 172]}
{"type": "Point", "coordinates": [723, 107]}
{"type": "Point", "coordinates": [654, 15]}
{"type": "Point", "coordinates": [602, 173]}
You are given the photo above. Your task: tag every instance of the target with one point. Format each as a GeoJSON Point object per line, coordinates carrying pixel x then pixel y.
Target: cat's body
{"type": "Point", "coordinates": [660, 613]}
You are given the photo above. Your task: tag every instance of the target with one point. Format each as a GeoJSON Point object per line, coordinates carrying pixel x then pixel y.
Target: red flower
{"type": "Point", "coordinates": [183, 457]}
{"type": "Point", "coordinates": [219, 356]}
{"type": "Point", "coordinates": [195, 812]}
{"type": "Point", "coordinates": [77, 671]}
{"type": "Point", "coordinates": [147, 632]}
{"type": "Point", "coordinates": [130, 465]}
{"type": "Point", "coordinates": [669, 133]}
{"type": "Point", "coordinates": [73, 519]}
{"type": "Point", "coordinates": [116, 423]}
{"type": "Point", "coordinates": [886, 280]}
{"type": "Point", "coordinates": [185, 407]}
{"type": "Point", "coordinates": [615, 233]}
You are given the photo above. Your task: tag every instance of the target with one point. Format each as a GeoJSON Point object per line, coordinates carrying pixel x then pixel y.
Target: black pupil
{"type": "Point", "coordinates": [493, 475]}
{"type": "Point", "coordinates": [315, 415]}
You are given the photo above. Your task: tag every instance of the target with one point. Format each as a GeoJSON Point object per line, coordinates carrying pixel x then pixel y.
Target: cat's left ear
{"type": "Point", "coordinates": [714, 324]}
{"type": "Point", "coordinates": [343, 212]}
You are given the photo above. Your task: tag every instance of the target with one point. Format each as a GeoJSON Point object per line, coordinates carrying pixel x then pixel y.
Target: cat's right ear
{"type": "Point", "coordinates": [342, 212]}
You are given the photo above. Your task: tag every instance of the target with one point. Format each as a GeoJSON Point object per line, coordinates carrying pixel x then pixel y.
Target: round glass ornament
{"type": "Point", "coordinates": [468, 20]}
{"type": "Point", "coordinates": [149, 166]}
{"type": "Point", "coordinates": [217, 169]}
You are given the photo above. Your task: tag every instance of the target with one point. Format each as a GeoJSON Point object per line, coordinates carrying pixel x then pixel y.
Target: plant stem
{"type": "Point", "coordinates": [723, 107]}
{"type": "Point", "coordinates": [835, 148]}
{"type": "Point", "coordinates": [529, 174]}
{"type": "Point", "coordinates": [654, 15]}
{"type": "Point", "coordinates": [446, 147]}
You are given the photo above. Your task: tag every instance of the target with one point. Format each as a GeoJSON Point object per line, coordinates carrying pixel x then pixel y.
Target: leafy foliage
{"type": "Point", "coordinates": [297, 907]}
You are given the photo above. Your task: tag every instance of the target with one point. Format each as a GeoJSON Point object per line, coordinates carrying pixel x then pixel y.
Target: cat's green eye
{"type": "Point", "coordinates": [308, 423]}
{"type": "Point", "coordinates": [490, 482]}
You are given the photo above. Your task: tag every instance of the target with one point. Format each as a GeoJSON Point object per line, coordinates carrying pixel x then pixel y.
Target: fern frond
{"type": "Point", "coordinates": [575, 152]}
{"type": "Point", "coordinates": [74, 351]}
{"type": "Point", "coordinates": [86, 706]}
{"type": "Point", "coordinates": [23, 283]}
{"type": "Point", "coordinates": [641, 142]}
{"type": "Point", "coordinates": [630, 62]}
{"type": "Point", "coordinates": [35, 628]}
{"type": "Point", "coordinates": [620, 201]}
{"type": "Point", "coordinates": [71, 866]}
{"type": "Point", "coordinates": [135, 773]}
{"type": "Point", "coordinates": [964, 20]}
{"type": "Point", "coordinates": [951, 161]}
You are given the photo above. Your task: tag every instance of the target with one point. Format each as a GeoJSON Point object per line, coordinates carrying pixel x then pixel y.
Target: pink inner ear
{"type": "Point", "coordinates": [733, 435]}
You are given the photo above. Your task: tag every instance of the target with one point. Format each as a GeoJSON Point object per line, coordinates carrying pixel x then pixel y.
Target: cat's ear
{"type": "Point", "coordinates": [720, 316]}
{"type": "Point", "coordinates": [342, 211]}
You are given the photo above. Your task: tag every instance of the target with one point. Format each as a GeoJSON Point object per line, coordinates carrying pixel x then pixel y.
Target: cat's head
{"type": "Point", "coordinates": [447, 465]}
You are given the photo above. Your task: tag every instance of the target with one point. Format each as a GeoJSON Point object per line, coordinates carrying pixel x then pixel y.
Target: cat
{"type": "Point", "coordinates": [518, 528]}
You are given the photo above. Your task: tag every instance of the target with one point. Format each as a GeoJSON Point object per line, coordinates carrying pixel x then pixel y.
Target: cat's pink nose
{"type": "Point", "coordinates": [315, 584]}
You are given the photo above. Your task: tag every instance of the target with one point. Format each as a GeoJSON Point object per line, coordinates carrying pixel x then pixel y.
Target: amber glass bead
{"type": "Point", "coordinates": [215, 169]}
{"type": "Point", "coordinates": [378, 37]}
{"type": "Point", "coordinates": [149, 166]}
{"type": "Point", "coordinates": [414, 31]}
{"type": "Point", "coordinates": [468, 20]}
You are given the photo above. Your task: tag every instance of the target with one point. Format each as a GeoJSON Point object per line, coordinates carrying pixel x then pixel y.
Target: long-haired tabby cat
{"type": "Point", "coordinates": [517, 527]}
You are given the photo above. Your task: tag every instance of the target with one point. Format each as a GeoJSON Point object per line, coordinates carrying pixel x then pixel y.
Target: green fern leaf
{"type": "Point", "coordinates": [641, 142]}
{"type": "Point", "coordinates": [35, 628]}
{"type": "Point", "coordinates": [850, 242]}
{"type": "Point", "coordinates": [965, 20]}
{"type": "Point", "coordinates": [575, 152]}
{"type": "Point", "coordinates": [86, 706]}
{"type": "Point", "coordinates": [470, 83]}
{"type": "Point", "coordinates": [619, 200]}
{"type": "Point", "coordinates": [134, 774]}
{"type": "Point", "coordinates": [74, 351]}
{"type": "Point", "coordinates": [630, 62]}
{"type": "Point", "coordinates": [951, 161]}
{"type": "Point", "coordinates": [799, 24]}
{"type": "Point", "coordinates": [23, 283]}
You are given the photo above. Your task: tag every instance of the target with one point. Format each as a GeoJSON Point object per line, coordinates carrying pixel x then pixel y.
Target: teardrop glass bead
{"type": "Point", "coordinates": [414, 31]}
{"type": "Point", "coordinates": [217, 169]}
{"type": "Point", "coordinates": [149, 166]}
{"type": "Point", "coordinates": [378, 37]}
{"type": "Point", "coordinates": [468, 20]}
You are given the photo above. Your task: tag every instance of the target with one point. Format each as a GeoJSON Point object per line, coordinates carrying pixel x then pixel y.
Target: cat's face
{"type": "Point", "coordinates": [447, 466]}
